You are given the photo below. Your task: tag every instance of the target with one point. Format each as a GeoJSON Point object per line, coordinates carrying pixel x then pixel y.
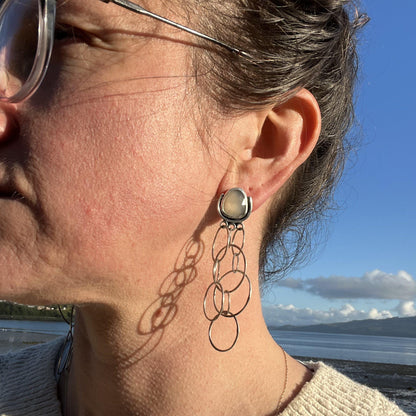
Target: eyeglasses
{"type": "Point", "coordinates": [27, 30]}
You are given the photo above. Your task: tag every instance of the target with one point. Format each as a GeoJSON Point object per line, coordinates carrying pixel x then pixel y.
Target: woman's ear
{"type": "Point", "coordinates": [285, 137]}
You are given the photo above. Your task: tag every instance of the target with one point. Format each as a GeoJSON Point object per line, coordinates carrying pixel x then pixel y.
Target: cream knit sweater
{"type": "Point", "coordinates": [28, 388]}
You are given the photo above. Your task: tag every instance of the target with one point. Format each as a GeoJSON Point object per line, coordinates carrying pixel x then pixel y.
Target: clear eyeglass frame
{"type": "Point", "coordinates": [46, 28]}
{"type": "Point", "coordinates": [46, 32]}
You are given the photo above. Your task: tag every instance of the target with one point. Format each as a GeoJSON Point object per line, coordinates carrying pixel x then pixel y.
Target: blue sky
{"type": "Point", "coordinates": [367, 267]}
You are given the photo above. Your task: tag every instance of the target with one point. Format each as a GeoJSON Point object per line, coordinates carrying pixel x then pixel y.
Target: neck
{"type": "Point", "coordinates": [149, 352]}
{"type": "Point", "coordinates": [117, 368]}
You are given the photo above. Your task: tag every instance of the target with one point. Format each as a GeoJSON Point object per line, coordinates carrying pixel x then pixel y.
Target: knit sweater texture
{"type": "Point", "coordinates": [28, 388]}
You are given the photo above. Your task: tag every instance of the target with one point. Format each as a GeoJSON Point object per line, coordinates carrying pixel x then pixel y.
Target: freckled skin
{"type": "Point", "coordinates": [113, 160]}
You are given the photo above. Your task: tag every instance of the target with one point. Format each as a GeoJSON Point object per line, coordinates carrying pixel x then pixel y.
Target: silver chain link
{"type": "Point", "coordinates": [225, 285]}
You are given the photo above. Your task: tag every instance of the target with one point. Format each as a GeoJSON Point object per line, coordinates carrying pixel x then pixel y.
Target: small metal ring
{"type": "Point", "coordinates": [229, 292]}
{"type": "Point", "coordinates": [219, 312]}
{"type": "Point", "coordinates": [239, 230]}
{"type": "Point", "coordinates": [241, 256]}
{"type": "Point", "coordinates": [235, 263]}
{"type": "Point", "coordinates": [223, 226]}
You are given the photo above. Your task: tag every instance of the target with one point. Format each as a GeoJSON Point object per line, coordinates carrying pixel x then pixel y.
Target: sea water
{"type": "Point", "coordinates": [376, 349]}
{"type": "Point", "coordinates": [38, 327]}
{"type": "Point", "coordinates": [370, 348]}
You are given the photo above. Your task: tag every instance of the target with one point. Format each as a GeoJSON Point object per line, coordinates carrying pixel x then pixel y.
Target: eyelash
{"type": "Point", "coordinates": [69, 33]}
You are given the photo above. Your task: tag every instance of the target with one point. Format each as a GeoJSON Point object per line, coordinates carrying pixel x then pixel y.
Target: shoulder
{"type": "Point", "coordinates": [27, 381]}
{"type": "Point", "coordinates": [331, 393]}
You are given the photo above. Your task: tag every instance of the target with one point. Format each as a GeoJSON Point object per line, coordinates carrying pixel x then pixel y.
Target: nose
{"type": "Point", "coordinates": [8, 122]}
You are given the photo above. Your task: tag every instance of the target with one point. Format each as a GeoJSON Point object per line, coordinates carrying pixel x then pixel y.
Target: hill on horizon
{"type": "Point", "coordinates": [390, 327]}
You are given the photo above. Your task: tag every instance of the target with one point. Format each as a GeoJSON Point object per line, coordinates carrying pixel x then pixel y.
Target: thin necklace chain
{"type": "Point", "coordinates": [279, 404]}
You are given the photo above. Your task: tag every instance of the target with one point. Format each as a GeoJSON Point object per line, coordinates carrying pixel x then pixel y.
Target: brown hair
{"type": "Point", "coordinates": [293, 44]}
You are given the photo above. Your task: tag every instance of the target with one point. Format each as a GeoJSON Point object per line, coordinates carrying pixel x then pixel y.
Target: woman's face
{"type": "Point", "coordinates": [108, 157]}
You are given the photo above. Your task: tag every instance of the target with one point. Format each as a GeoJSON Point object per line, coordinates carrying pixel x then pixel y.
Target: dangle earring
{"type": "Point", "coordinates": [229, 271]}
{"type": "Point", "coordinates": [63, 363]}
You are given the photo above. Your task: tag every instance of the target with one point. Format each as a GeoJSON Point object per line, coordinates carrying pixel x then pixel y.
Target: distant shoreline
{"type": "Point", "coordinates": [340, 333]}
{"type": "Point", "coordinates": [20, 312]}
{"type": "Point", "coordinates": [30, 318]}
{"type": "Point", "coordinates": [391, 327]}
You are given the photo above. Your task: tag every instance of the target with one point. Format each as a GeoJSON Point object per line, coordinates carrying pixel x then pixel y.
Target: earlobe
{"type": "Point", "coordinates": [288, 135]}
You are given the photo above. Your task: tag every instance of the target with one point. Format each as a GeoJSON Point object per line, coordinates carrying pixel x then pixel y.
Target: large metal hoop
{"type": "Point", "coordinates": [237, 333]}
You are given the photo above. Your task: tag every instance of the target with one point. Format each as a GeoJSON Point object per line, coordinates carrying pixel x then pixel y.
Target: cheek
{"type": "Point", "coordinates": [115, 190]}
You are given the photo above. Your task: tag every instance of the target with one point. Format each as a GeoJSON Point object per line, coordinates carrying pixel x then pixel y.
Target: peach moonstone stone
{"type": "Point", "coordinates": [234, 204]}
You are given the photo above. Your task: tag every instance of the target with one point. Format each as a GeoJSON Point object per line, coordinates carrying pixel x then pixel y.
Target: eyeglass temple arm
{"type": "Point", "coordinates": [138, 9]}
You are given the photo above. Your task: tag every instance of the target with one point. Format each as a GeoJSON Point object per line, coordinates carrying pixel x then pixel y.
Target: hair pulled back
{"type": "Point", "coordinates": [292, 44]}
